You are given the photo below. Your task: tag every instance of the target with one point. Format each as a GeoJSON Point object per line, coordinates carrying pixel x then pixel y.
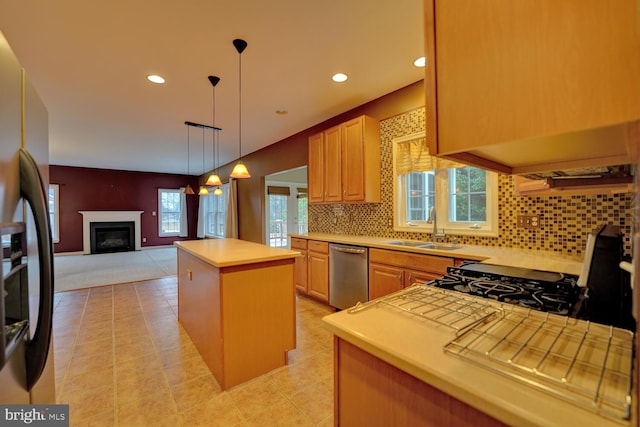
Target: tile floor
{"type": "Point", "coordinates": [122, 359]}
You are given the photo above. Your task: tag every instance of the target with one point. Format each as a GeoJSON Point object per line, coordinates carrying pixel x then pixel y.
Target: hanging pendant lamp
{"type": "Point", "coordinates": [203, 190]}
{"type": "Point", "coordinates": [240, 170]}
{"type": "Point", "coordinates": [188, 190]}
{"type": "Point", "coordinates": [214, 179]}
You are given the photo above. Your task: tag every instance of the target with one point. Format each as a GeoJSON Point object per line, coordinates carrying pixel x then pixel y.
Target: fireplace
{"type": "Point", "coordinates": [114, 232]}
{"type": "Point", "coordinates": [112, 236]}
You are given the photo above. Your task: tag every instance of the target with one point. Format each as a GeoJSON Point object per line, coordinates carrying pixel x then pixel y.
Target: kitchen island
{"type": "Point", "coordinates": [391, 368]}
{"type": "Point", "coordinates": [236, 300]}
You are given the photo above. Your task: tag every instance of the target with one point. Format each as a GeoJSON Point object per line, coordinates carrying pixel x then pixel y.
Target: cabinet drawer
{"type": "Point", "coordinates": [431, 263]}
{"type": "Point", "coordinates": [297, 243]}
{"type": "Point", "coordinates": [316, 246]}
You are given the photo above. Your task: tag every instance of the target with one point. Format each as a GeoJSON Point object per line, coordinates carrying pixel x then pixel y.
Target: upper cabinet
{"type": "Point", "coordinates": [344, 163]}
{"type": "Point", "coordinates": [533, 85]}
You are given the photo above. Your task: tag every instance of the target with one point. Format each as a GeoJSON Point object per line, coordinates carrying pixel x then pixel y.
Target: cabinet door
{"type": "Point", "coordinates": [582, 59]}
{"type": "Point", "coordinates": [332, 165]}
{"type": "Point", "coordinates": [316, 168]}
{"type": "Point", "coordinates": [318, 266]}
{"type": "Point", "coordinates": [416, 276]}
{"type": "Point", "coordinates": [353, 160]}
{"type": "Point", "coordinates": [384, 279]}
{"type": "Point", "coordinates": [300, 272]}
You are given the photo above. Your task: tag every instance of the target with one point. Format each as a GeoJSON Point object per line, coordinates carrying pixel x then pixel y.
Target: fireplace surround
{"type": "Point", "coordinates": [104, 217]}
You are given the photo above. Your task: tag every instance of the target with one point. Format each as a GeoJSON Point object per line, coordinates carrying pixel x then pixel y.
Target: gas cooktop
{"type": "Point", "coordinates": [546, 291]}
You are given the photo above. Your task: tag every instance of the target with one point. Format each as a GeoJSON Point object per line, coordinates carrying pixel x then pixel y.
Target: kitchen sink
{"type": "Point", "coordinates": [440, 246]}
{"type": "Point", "coordinates": [424, 245]}
{"type": "Point", "coordinates": [410, 243]}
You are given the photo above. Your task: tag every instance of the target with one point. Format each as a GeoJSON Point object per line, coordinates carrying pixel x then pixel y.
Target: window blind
{"type": "Point", "coordinates": [280, 191]}
{"type": "Point", "coordinates": [413, 156]}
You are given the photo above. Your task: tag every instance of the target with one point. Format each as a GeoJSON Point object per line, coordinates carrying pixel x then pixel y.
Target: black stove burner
{"type": "Point", "coordinates": [549, 292]}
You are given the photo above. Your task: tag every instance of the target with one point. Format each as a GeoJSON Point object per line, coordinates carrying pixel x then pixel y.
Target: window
{"type": "Point", "coordinates": [303, 210]}
{"type": "Point", "coordinates": [287, 207]}
{"type": "Point", "coordinates": [215, 211]}
{"type": "Point", "coordinates": [430, 191]}
{"type": "Point", "coordinates": [54, 214]}
{"type": "Point", "coordinates": [169, 212]}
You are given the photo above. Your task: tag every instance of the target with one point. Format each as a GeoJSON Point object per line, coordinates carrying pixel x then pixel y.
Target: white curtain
{"type": "Point", "coordinates": [202, 212]}
{"type": "Point", "coordinates": [184, 224]}
{"type": "Point", "coordinates": [232, 211]}
{"type": "Point", "coordinates": [413, 156]}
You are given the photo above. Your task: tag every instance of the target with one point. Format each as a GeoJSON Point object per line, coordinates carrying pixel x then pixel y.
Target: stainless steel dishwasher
{"type": "Point", "coordinates": [348, 275]}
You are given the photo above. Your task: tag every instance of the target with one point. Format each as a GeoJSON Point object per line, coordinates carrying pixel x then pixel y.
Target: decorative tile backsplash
{"type": "Point", "coordinates": [565, 220]}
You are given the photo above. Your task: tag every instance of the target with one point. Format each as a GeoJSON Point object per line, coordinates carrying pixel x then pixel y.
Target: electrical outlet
{"type": "Point", "coordinates": [528, 221]}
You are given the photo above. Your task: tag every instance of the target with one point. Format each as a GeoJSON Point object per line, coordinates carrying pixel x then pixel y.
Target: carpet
{"type": "Point", "coordinates": [85, 271]}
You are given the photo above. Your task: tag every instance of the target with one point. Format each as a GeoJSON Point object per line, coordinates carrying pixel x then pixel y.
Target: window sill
{"type": "Point", "coordinates": [448, 231]}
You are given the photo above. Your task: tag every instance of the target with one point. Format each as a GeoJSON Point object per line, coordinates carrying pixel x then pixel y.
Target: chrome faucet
{"type": "Point", "coordinates": [432, 219]}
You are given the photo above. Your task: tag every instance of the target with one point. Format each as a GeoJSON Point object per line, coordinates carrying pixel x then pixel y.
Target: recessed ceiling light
{"type": "Point", "coordinates": [340, 77]}
{"type": "Point", "coordinates": [282, 112]}
{"type": "Point", "coordinates": [155, 78]}
{"type": "Point", "coordinates": [420, 62]}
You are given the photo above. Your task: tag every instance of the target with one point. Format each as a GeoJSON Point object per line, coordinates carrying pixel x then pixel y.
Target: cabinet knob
{"type": "Point", "coordinates": [400, 278]}
{"type": "Point", "coordinates": [410, 278]}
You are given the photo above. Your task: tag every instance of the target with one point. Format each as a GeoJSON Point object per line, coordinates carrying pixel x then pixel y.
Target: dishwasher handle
{"type": "Point", "coordinates": [348, 250]}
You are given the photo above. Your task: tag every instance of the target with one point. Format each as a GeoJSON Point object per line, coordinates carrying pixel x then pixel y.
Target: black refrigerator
{"type": "Point", "coordinates": [26, 298]}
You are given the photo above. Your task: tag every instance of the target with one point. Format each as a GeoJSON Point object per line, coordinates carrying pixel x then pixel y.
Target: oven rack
{"type": "Point", "coordinates": [585, 363]}
{"type": "Point", "coordinates": [453, 310]}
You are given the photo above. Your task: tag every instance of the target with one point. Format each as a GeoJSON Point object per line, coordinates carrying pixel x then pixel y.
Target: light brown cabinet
{"type": "Point", "coordinates": [391, 271]}
{"type": "Point", "coordinates": [528, 86]}
{"type": "Point", "coordinates": [241, 318]}
{"type": "Point", "coordinates": [371, 392]}
{"type": "Point", "coordinates": [312, 268]}
{"type": "Point", "coordinates": [300, 267]}
{"type": "Point", "coordinates": [344, 163]}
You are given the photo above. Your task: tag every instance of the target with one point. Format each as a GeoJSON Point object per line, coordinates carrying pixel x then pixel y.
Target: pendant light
{"type": "Point", "coordinates": [214, 179]}
{"type": "Point", "coordinates": [240, 170]}
{"type": "Point", "coordinates": [188, 190]}
{"type": "Point", "coordinates": [203, 190]}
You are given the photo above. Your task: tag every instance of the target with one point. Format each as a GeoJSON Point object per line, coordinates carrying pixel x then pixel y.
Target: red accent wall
{"type": "Point", "coordinates": [87, 189]}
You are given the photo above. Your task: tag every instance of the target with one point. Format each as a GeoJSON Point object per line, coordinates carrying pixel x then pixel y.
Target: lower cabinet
{"type": "Point", "coordinates": [371, 392]}
{"type": "Point", "coordinates": [241, 318]}
{"type": "Point", "coordinates": [312, 268]}
{"type": "Point", "coordinates": [391, 271]}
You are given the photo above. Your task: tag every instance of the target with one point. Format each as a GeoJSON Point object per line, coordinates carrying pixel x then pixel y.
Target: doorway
{"type": "Point", "coordinates": [286, 204]}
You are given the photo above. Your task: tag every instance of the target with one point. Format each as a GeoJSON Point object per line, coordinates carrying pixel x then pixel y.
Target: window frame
{"type": "Point", "coordinates": [55, 221]}
{"type": "Point", "coordinates": [161, 211]}
{"type": "Point", "coordinates": [474, 228]}
{"type": "Point", "coordinates": [211, 213]}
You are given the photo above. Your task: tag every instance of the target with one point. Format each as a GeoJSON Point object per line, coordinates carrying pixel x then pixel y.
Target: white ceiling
{"type": "Point", "coordinates": [89, 60]}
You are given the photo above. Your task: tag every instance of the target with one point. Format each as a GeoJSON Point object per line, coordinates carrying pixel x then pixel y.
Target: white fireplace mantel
{"type": "Point", "coordinates": [108, 216]}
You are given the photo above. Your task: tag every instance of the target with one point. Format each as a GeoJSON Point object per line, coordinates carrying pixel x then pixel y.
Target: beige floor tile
{"type": "Point", "coordinates": [122, 358]}
{"type": "Point", "coordinates": [252, 397]}
{"type": "Point", "coordinates": [104, 419]}
{"type": "Point", "coordinates": [186, 370]}
{"type": "Point", "coordinates": [280, 414]}
{"type": "Point", "coordinates": [315, 401]}
{"type": "Point", "coordinates": [88, 364]}
{"type": "Point", "coordinates": [190, 393]}
{"type": "Point", "coordinates": [147, 410]}
{"type": "Point", "coordinates": [217, 411]}
{"type": "Point", "coordinates": [89, 402]}
{"type": "Point", "coordinates": [76, 384]}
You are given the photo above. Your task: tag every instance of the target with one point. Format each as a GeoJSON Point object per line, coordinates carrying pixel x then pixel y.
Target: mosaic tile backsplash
{"type": "Point", "coordinates": [565, 220]}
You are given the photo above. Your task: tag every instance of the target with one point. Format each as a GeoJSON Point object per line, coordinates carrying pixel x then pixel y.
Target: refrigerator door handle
{"type": "Point", "coordinates": [32, 189]}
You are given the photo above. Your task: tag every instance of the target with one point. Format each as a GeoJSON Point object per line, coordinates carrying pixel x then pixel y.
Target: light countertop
{"type": "Point", "coordinates": [415, 345]}
{"type": "Point", "coordinates": [537, 260]}
{"type": "Point", "coordinates": [230, 252]}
